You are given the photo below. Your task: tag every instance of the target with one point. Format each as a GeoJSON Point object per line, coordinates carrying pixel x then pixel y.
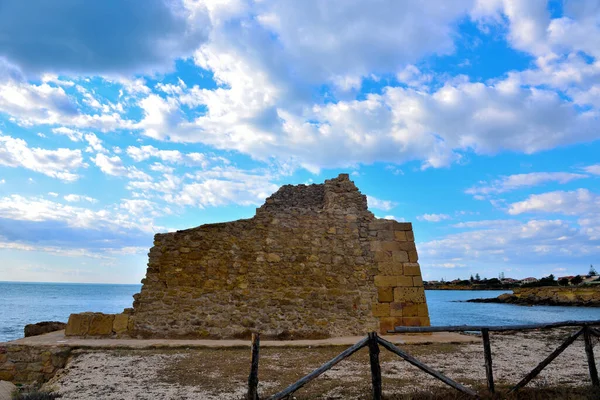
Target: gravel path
{"type": "Point", "coordinates": [221, 374]}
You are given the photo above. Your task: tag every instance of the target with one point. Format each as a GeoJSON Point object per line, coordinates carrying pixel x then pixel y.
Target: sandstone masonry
{"type": "Point", "coordinates": [312, 263]}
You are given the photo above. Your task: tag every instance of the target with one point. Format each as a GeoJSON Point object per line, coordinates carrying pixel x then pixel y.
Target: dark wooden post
{"type": "Point", "coordinates": [589, 350]}
{"type": "Point", "coordinates": [487, 351]}
{"type": "Point", "coordinates": [375, 367]}
{"type": "Point", "coordinates": [253, 378]}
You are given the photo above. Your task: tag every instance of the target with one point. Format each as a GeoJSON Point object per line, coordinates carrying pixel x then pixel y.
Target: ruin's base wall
{"type": "Point", "coordinates": [305, 276]}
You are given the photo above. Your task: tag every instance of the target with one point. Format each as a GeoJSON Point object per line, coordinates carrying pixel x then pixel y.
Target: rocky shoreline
{"type": "Point", "coordinates": [548, 296]}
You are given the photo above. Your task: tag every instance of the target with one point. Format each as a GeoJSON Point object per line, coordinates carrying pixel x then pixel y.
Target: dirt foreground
{"type": "Point", "coordinates": [209, 373]}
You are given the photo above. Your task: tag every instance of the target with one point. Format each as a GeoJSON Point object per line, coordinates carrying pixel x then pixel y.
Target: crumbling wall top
{"type": "Point", "coordinates": [335, 194]}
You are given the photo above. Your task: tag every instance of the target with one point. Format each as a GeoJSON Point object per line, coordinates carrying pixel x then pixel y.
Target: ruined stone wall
{"type": "Point", "coordinates": [27, 364]}
{"type": "Point", "coordinates": [313, 262]}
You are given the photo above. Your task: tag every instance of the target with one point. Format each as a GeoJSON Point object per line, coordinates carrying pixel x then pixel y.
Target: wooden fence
{"type": "Point", "coordinates": [373, 341]}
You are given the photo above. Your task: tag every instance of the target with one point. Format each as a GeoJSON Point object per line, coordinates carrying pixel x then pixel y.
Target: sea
{"type": "Point", "coordinates": [24, 303]}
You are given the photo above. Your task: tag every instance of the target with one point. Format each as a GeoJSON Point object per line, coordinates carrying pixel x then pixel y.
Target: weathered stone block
{"type": "Point", "coordinates": [413, 257]}
{"type": "Point", "coordinates": [400, 236]}
{"type": "Point", "coordinates": [385, 294]}
{"type": "Point", "coordinates": [410, 310]}
{"type": "Point", "coordinates": [120, 323]}
{"type": "Point", "coordinates": [412, 269]}
{"type": "Point", "coordinates": [404, 281]}
{"type": "Point", "coordinates": [423, 311]}
{"type": "Point", "coordinates": [409, 295]}
{"type": "Point", "coordinates": [381, 310]}
{"type": "Point", "coordinates": [390, 268]}
{"type": "Point", "coordinates": [101, 324]}
{"type": "Point", "coordinates": [401, 226]}
{"type": "Point", "coordinates": [417, 281]}
{"type": "Point", "coordinates": [385, 280]}
{"type": "Point", "coordinates": [388, 324]}
{"type": "Point", "coordinates": [400, 256]}
{"type": "Point", "coordinates": [412, 321]}
{"type": "Point", "coordinates": [396, 309]}
{"type": "Point", "coordinates": [383, 256]}
{"type": "Point", "coordinates": [390, 246]}
{"type": "Point", "coordinates": [78, 324]}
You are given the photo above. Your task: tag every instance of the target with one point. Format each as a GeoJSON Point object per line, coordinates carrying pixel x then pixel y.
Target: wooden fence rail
{"type": "Point", "coordinates": [373, 341]}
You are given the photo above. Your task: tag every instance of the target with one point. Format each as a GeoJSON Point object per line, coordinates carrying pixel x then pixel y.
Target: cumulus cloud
{"type": "Point", "coordinates": [574, 202]}
{"type": "Point", "coordinates": [519, 181]}
{"type": "Point", "coordinates": [60, 163]}
{"type": "Point", "coordinates": [169, 156]}
{"type": "Point", "coordinates": [40, 224]}
{"type": "Point", "coordinates": [218, 187]}
{"type": "Point", "coordinates": [533, 244]}
{"type": "Point", "coordinates": [75, 198]}
{"type": "Point", "coordinates": [433, 217]}
{"type": "Point", "coordinates": [384, 205]}
{"type": "Point", "coordinates": [114, 166]}
{"type": "Point", "coordinates": [399, 125]}
{"type": "Point", "coordinates": [593, 169]}
{"type": "Point", "coordinates": [140, 39]}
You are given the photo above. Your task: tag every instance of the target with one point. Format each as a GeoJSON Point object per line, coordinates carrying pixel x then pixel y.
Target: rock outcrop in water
{"type": "Point", "coordinates": [549, 296]}
{"type": "Point", "coordinates": [43, 327]}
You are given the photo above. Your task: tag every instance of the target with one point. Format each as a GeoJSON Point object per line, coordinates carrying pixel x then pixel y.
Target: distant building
{"type": "Point", "coordinates": [566, 277]}
{"type": "Point", "coordinates": [531, 279]}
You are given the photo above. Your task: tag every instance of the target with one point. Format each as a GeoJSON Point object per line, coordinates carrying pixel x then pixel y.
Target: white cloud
{"type": "Point", "coordinates": [75, 198]}
{"type": "Point", "coordinates": [2, 181]}
{"type": "Point", "coordinates": [169, 156]}
{"type": "Point", "coordinates": [575, 202]}
{"type": "Point", "coordinates": [385, 205]}
{"type": "Point", "coordinates": [11, 245]}
{"type": "Point", "coordinates": [518, 181]}
{"type": "Point", "coordinates": [114, 166]}
{"type": "Point", "coordinates": [433, 217]}
{"type": "Point", "coordinates": [95, 144]}
{"type": "Point", "coordinates": [215, 187]}
{"type": "Point", "coordinates": [593, 169]}
{"type": "Point", "coordinates": [532, 244]}
{"type": "Point", "coordinates": [21, 208]}
{"type": "Point", "coordinates": [59, 163]}
{"type": "Point", "coordinates": [399, 125]}
{"type": "Point", "coordinates": [141, 39]}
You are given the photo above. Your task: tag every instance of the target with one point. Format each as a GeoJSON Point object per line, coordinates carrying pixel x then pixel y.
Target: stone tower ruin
{"type": "Point", "coordinates": [312, 263]}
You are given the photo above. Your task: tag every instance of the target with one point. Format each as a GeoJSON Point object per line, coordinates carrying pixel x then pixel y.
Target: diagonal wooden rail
{"type": "Point", "coordinates": [586, 328]}
{"type": "Point", "coordinates": [373, 341]}
{"type": "Point", "coordinates": [410, 359]}
{"type": "Point", "coordinates": [303, 381]}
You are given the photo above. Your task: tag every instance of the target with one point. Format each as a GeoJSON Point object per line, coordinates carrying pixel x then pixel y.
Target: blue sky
{"type": "Point", "coordinates": [478, 121]}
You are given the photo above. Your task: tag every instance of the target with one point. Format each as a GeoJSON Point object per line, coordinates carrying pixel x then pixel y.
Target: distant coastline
{"type": "Point", "coordinates": [549, 296]}
{"type": "Point", "coordinates": [473, 288]}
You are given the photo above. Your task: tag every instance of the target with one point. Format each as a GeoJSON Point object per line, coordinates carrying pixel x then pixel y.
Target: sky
{"type": "Point", "coordinates": [476, 120]}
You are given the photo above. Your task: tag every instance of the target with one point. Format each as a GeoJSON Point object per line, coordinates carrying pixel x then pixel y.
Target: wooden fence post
{"type": "Point", "coordinates": [375, 367]}
{"type": "Point", "coordinates": [253, 377]}
{"type": "Point", "coordinates": [487, 351]}
{"type": "Point", "coordinates": [589, 350]}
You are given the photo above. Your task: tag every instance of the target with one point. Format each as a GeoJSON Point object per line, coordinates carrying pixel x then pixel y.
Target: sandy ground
{"type": "Point", "coordinates": [222, 373]}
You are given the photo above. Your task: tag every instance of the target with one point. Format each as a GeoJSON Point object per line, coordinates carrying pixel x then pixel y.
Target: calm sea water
{"type": "Point", "coordinates": [28, 303]}
{"type": "Point", "coordinates": [25, 303]}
